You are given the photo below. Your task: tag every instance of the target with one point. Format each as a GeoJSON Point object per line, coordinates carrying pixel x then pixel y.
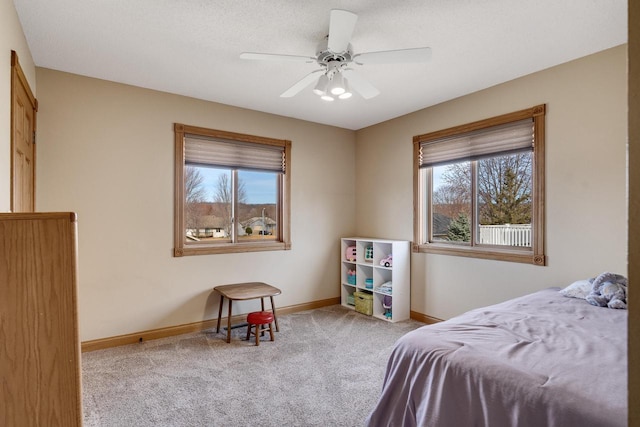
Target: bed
{"type": "Point", "coordinates": [539, 360]}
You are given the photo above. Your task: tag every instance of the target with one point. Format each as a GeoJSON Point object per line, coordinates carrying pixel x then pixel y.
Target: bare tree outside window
{"type": "Point", "coordinates": [223, 192]}
{"type": "Point", "coordinates": [453, 193]}
{"type": "Point", "coordinates": [194, 185]}
{"type": "Point", "coordinates": [223, 195]}
{"type": "Point", "coordinates": [195, 193]}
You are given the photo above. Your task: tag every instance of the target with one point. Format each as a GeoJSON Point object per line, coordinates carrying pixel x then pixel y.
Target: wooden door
{"type": "Point", "coordinates": [23, 134]}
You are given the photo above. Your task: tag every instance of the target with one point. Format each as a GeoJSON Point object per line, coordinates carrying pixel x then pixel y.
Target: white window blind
{"type": "Point", "coordinates": [504, 139]}
{"type": "Point", "coordinates": [200, 150]}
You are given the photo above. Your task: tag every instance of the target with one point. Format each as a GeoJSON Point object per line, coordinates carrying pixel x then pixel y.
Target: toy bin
{"type": "Point", "coordinates": [364, 302]}
{"type": "Point", "coordinates": [351, 300]}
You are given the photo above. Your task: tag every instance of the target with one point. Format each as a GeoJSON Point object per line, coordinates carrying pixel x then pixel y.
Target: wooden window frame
{"type": "Point", "coordinates": [536, 254]}
{"type": "Point", "coordinates": [283, 238]}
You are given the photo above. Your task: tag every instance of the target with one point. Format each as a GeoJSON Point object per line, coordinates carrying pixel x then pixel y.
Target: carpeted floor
{"type": "Point", "coordinates": [325, 368]}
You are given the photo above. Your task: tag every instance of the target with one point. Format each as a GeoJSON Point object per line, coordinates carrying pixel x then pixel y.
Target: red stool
{"type": "Point", "coordinates": [260, 319]}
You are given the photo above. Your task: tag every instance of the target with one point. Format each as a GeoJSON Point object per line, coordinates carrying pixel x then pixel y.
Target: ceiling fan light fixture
{"type": "Point", "coordinates": [347, 91]}
{"type": "Point", "coordinates": [336, 85]}
{"type": "Point", "coordinates": [327, 97]}
{"type": "Point", "coordinates": [321, 86]}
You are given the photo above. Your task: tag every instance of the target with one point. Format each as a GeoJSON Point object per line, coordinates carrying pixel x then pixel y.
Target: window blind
{"type": "Point", "coordinates": [500, 139]}
{"type": "Point", "coordinates": [205, 151]}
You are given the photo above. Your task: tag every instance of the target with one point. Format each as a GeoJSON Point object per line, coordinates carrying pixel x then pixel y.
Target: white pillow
{"type": "Point", "coordinates": [578, 289]}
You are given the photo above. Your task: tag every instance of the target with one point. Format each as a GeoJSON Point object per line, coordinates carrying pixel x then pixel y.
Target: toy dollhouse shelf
{"type": "Point", "coordinates": [363, 271]}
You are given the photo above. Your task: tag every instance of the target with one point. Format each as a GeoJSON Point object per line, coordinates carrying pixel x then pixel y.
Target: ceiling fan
{"type": "Point", "coordinates": [335, 78]}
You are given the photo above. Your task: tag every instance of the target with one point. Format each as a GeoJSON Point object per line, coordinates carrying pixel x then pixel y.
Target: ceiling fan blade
{"type": "Point", "coordinates": [420, 54]}
{"type": "Point", "coordinates": [276, 57]}
{"type": "Point", "coordinates": [361, 85]}
{"type": "Point", "coordinates": [301, 84]}
{"type": "Point", "coordinates": [341, 25]}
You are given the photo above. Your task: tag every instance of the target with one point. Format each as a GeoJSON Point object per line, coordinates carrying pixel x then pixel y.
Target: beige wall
{"type": "Point", "coordinates": [11, 38]}
{"type": "Point", "coordinates": [106, 152]}
{"type": "Point", "coordinates": [586, 197]}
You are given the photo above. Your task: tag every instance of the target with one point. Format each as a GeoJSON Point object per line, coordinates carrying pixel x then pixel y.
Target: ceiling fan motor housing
{"type": "Point", "coordinates": [333, 60]}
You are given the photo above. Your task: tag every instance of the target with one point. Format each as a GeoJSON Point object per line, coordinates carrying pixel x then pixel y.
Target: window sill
{"type": "Point", "coordinates": [230, 248]}
{"type": "Point", "coordinates": [510, 255]}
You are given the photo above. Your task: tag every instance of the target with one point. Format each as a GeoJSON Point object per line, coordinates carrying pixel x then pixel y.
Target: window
{"type": "Point", "coordinates": [231, 192]}
{"type": "Point", "coordinates": [479, 189]}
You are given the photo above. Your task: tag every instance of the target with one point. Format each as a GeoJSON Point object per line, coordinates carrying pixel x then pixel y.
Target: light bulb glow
{"type": "Point", "coordinates": [347, 90]}
{"type": "Point", "coordinates": [336, 85]}
{"type": "Point", "coordinates": [321, 86]}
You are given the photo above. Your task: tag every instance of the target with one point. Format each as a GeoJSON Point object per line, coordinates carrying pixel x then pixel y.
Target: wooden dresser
{"type": "Point", "coordinates": [40, 371]}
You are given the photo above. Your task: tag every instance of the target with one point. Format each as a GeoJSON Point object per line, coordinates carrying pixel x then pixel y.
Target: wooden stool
{"type": "Point", "coordinates": [260, 319]}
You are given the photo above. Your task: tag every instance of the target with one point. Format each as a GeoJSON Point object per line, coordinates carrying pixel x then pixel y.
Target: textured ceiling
{"type": "Point", "coordinates": [192, 47]}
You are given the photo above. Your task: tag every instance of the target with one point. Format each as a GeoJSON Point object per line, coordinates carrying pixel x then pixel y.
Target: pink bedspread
{"type": "Point", "coordinates": [538, 360]}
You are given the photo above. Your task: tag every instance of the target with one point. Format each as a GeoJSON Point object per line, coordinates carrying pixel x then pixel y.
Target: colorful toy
{"type": "Point", "coordinates": [368, 253]}
{"type": "Point", "coordinates": [386, 304]}
{"type": "Point", "coordinates": [350, 253]}
{"type": "Point", "coordinates": [387, 262]}
{"type": "Point", "coordinates": [351, 277]}
{"type": "Point", "coordinates": [368, 283]}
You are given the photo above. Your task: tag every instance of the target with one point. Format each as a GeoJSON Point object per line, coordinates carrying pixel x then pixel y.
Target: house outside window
{"type": "Point", "coordinates": [479, 189]}
{"type": "Point", "coordinates": [232, 192]}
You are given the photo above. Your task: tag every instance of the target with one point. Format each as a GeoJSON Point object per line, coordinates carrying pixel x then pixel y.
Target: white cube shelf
{"type": "Point", "coordinates": [374, 278]}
